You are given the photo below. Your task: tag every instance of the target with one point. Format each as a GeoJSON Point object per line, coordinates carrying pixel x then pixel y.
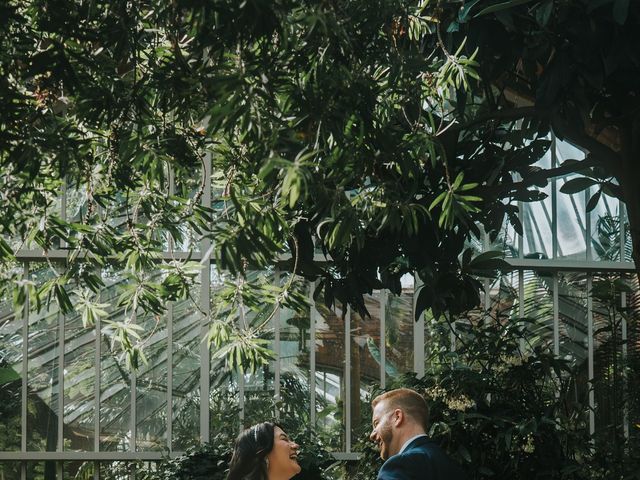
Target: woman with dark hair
{"type": "Point", "coordinates": [264, 452]}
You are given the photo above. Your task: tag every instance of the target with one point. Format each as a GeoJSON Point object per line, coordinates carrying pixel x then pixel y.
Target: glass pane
{"type": "Point", "coordinates": [10, 377]}
{"type": "Point", "coordinates": [606, 230]}
{"type": "Point", "coordinates": [79, 385]}
{"type": "Point", "coordinates": [115, 381]}
{"type": "Point", "coordinates": [186, 372]}
{"type": "Point", "coordinates": [365, 360]}
{"type": "Point", "coordinates": [224, 396]}
{"type": "Point", "coordinates": [330, 364]}
{"type": "Point", "coordinates": [572, 311]}
{"type": "Point", "coordinates": [78, 470]}
{"type": "Point", "coordinates": [188, 184]}
{"type": "Point", "coordinates": [536, 220]}
{"type": "Point", "coordinates": [538, 309]}
{"type": "Point", "coordinates": [9, 470]}
{"type": "Point", "coordinates": [571, 209]}
{"type": "Point", "coordinates": [609, 363]}
{"type": "Point", "coordinates": [43, 362]}
{"type": "Point", "coordinates": [41, 470]}
{"type": "Point", "coordinates": [259, 386]}
{"type": "Point", "coordinates": [151, 386]}
{"type": "Point", "coordinates": [118, 470]}
{"type": "Point", "coordinates": [295, 368]}
{"type": "Point", "coordinates": [399, 331]}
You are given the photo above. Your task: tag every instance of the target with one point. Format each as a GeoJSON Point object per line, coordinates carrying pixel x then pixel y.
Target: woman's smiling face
{"type": "Point", "coordinates": [283, 457]}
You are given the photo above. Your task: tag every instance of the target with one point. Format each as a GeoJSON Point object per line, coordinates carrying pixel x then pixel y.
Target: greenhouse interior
{"type": "Point", "coordinates": [221, 213]}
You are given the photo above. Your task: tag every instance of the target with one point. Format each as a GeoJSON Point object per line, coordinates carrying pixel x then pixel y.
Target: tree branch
{"type": "Point", "coordinates": [507, 114]}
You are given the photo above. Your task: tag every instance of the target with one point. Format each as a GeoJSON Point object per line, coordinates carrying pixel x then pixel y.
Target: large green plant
{"type": "Point", "coordinates": [500, 411]}
{"type": "Point", "coordinates": [322, 127]}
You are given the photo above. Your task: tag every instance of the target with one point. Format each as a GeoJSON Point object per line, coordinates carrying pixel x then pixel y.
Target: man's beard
{"type": "Point", "coordinates": [386, 437]}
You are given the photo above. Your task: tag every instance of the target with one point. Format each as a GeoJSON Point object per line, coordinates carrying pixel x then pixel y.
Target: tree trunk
{"type": "Point", "coordinates": [630, 184]}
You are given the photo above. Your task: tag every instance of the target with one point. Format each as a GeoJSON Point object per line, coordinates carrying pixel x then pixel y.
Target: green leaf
{"type": "Point", "coordinates": [464, 453]}
{"type": "Point", "coordinates": [464, 11]}
{"type": "Point", "coordinates": [6, 251]}
{"type": "Point", "coordinates": [424, 300]}
{"type": "Point", "coordinates": [489, 261]}
{"type": "Point", "coordinates": [593, 201]}
{"type": "Point", "coordinates": [620, 11]}
{"type": "Point", "coordinates": [457, 181]}
{"type": "Point", "coordinates": [8, 374]}
{"type": "Point", "coordinates": [576, 185]}
{"type": "Point", "coordinates": [501, 6]}
{"type": "Point", "coordinates": [437, 200]}
{"type": "Point", "coordinates": [543, 13]}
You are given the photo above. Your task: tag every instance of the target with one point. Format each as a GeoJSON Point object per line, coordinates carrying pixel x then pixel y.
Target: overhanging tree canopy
{"type": "Point", "coordinates": [351, 128]}
{"type": "Point", "coordinates": [573, 66]}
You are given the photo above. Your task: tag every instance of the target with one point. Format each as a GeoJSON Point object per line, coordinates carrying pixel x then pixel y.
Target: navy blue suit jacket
{"type": "Point", "coordinates": [421, 460]}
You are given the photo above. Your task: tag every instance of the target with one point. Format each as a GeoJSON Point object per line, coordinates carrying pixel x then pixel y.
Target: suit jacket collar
{"type": "Point", "coordinates": [411, 441]}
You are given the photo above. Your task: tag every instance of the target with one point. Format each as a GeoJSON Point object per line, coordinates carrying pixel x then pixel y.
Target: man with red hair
{"type": "Point", "coordinates": [399, 428]}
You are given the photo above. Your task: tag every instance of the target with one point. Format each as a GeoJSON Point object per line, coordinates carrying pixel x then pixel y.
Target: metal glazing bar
{"type": "Point", "coordinates": [521, 300]}
{"type": "Point", "coordinates": [276, 350]}
{"type": "Point", "coordinates": [169, 431]}
{"type": "Point", "coordinates": [570, 265]}
{"type": "Point", "coordinates": [486, 246]}
{"type": "Point", "coordinates": [556, 315]}
{"type": "Point", "coordinates": [592, 418]}
{"type": "Point", "coordinates": [324, 393]}
{"type": "Point", "coordinates": [383, 340]}
{"type": "Point", "coordinates": [86, 456]}
{"type": "Point", "coordinates": [205, 363]}
{"type": "Point", "coordinates": [171, 179]}
{"type": "Point", "coordinates": [134, 407]}
{"type": "Point", "coordinates": [347, 378]}
{"type": "Point", "coordinates": [521, 214]}
{"type": "Point", "coordinates": [623, 236]}
{"type": "Point", "coordinates": [97, 383]}
{"type": "Point", "coordinates": [418, 332]}
{"type": "Point", "coordinates": [63, 207]}
{"type": "Point", "coordinates": [312, 358]}
{"type": "Point", "coordinates": [205, 306]}
{"type": "Point", "coordinates": [554, 200]}
{"type": "Point", "coordinates": [243, 324]}
{"type": "Point", "coordinates": [625, 409]}
{"type": "Point", "coordinates": [58, 255]}
{"type": "Point", "coordinates": [25, 369]}
{"type": "Point", "coordinates": [342, 456]}
{"type": "Point", "coordinates": [587, 220]}
{"type": "Point", "coordinates": [60, 413]}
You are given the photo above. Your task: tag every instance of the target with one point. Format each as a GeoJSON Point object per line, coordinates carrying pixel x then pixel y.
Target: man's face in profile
{"type": "Point", "coordinates": [382, 432]}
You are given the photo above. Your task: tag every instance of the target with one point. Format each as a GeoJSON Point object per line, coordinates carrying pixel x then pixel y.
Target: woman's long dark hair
{"type": "Point", "coordinates": [249, 453]}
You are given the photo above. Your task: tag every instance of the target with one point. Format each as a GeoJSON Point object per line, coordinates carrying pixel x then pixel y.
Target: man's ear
{"type": "Point", "coordinates": [398, 417]}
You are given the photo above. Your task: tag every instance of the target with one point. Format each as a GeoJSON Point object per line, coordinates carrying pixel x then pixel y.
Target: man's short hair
{"type": "Point", "coordinates": [409, 401]}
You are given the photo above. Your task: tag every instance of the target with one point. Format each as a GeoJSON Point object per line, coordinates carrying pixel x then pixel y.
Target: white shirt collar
{"type": "Point", "coordinates": [406, 444]}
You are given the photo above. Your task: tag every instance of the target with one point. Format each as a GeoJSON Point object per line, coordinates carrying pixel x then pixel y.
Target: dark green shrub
{"type": "Point", "coordinates": [499, 412]}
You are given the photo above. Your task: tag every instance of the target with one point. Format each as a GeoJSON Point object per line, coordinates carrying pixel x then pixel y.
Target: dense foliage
{"type": "Point", "coordinates": [569, 65]}
{"type": "Point", "coordinates": [366, 140]}
{"type": "Point", "coordinates": [321, 128]}
{"type": "Point", "coordinates": [505, 406]}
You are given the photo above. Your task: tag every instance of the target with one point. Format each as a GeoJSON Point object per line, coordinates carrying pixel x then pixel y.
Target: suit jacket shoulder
{"type": "Point", "coordinates": [423, 460]}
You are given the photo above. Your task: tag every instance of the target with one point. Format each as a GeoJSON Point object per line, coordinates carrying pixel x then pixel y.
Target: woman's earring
{"type": "Point", "coordinates": [266, 461]}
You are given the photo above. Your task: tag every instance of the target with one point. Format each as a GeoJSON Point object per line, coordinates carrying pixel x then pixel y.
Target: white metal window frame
{"type": "Point", "coordinates": [520, 265]}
